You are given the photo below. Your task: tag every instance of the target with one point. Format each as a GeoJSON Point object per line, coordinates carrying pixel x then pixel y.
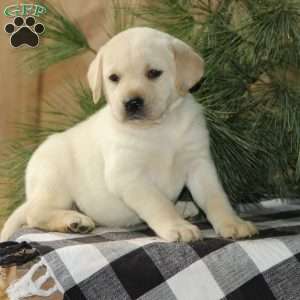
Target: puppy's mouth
{"type": "Point", "coordinates": [144, 119]}
{"type": "Point", "coordinates": [141, 117]}
{"type": "Point", "coordinates": [136, 117]}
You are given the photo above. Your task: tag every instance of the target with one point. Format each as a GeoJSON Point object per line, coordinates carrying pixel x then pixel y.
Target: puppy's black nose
{"type": "Point", "coordinates": [134, 106]}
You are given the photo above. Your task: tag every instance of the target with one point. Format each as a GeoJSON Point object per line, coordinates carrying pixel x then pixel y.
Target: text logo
{"type": "Point", "coordinates": [25, 10]}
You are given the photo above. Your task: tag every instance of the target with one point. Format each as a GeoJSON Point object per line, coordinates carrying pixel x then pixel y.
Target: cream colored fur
{"type": "Point", "coordinates": [120, 172]}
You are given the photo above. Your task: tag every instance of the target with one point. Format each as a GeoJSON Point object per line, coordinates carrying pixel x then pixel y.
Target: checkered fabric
{"type": "Point", "coordinates": [135, 264]}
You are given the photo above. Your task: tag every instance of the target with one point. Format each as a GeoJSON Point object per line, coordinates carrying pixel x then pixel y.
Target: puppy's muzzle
{"type": "Point", "coordinates": [134, 107]}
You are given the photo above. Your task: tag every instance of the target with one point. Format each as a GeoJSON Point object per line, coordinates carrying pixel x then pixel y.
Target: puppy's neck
{"type": "Point", "coordinates": [174, 105]}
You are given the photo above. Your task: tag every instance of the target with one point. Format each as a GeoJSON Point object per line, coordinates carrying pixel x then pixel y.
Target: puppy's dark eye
{"type": "Point", "coordinates": [153, 73]}
{"type": "Point", "coordinates": [114, 78]}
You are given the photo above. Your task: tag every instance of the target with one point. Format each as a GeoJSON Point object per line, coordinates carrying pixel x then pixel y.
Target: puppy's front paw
{"type": "Point", "coordinates": [80, 224]}
{"type": "Point", "coordinates": [182, 231]}
{"type": "Point", "coordinates": [235, 228]}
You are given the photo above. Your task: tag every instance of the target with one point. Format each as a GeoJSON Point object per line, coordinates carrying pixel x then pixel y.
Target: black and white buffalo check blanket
{"type": "Point", "coordinates": [135, 264]}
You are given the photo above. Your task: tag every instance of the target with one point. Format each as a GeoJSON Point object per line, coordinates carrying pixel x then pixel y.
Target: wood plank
{"type": "Point", "coordinates": [19, 91]}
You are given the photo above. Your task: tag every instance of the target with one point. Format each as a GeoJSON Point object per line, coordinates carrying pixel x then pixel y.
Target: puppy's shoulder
{"type": "Point", "coordinates": [196, 131]}
{"type": "Point", "coordinates": [95, 122]}
{"type": "Point", "coordinates": [76, 136]}
{"type": "Point", "coordinates": [192, 112]}
{"type": "Point", "coordinates": [192, 106]}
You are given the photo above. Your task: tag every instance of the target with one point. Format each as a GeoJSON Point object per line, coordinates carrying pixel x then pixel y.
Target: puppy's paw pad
{"type": "Point", "coordinates": [181, 232]}
{"type": "Point", "coordinates": [80, 224]}
{"type": "Point", "coordinates": [237, 229]}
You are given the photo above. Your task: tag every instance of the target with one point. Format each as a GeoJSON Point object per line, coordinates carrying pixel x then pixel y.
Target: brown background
{"type": "Point", "coordinates": [21, 92]}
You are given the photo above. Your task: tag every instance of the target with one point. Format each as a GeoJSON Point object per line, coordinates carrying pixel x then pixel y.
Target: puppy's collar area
{"type": "Point", "coordinates": [174, 105]}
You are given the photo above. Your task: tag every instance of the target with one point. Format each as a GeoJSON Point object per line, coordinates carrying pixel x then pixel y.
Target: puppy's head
{"type": "Point", "coordinates": [142, 72]}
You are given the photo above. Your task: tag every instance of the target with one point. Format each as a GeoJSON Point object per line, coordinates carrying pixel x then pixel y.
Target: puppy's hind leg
{"type": "Point", "coordinates": [61, 220]}
{"type": "Point", "coordinates": [52, 212]}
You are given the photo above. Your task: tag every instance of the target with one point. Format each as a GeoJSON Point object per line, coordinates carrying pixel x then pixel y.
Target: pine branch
{"type": "Point", "coordinates": [62, 40]}
{"type": "Point", "coordinates": [172, 16]}
{"type": "Point", "coordinates": [275, 23]}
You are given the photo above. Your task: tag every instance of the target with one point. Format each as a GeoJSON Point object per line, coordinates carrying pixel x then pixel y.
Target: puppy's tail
{"type": "Point", "coordinates": [14, 222]}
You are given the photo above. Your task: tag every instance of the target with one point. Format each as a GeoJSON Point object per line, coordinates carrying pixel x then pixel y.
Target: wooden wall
{"type": "Point", "coordinates": [21, 92]}
{"type": "Point", "coordinates": [17, 90]}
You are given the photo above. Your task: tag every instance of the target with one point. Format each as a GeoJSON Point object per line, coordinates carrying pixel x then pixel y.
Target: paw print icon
{"type": "Point", "coordinates": [24, 32]}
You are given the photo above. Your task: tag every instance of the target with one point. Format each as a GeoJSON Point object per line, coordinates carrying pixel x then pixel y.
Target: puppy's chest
{"type": "Point", "coordinates": [167, 169]}
{"type": "Point", "coordinates": [160, 160]}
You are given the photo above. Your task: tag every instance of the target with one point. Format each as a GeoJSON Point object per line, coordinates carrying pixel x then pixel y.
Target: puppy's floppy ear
{"type": "Point", "coordinates": [189, 66]}
{"type": "Point", "coordinates": [94, 77]}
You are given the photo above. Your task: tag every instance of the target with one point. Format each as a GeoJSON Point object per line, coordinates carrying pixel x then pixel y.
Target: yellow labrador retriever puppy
{"type": "Point", "coordinates": [129, 161]}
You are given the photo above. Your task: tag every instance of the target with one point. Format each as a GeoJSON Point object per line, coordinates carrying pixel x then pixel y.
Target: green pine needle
{"type": "Point", "coordinates": [172, 16]}
{"type": "Point", "coordinates": [61, 40]}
